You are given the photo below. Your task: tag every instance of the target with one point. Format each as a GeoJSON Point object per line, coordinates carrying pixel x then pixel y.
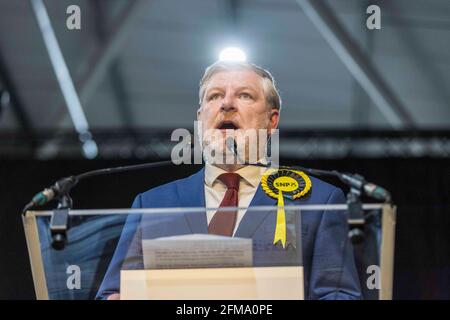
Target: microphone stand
{"type": "Point", "coordinates": [61, 192]}
{"type": "Point", "coordinates": [59, 222]}
{"type": "Point", "coordinates": [358, 185]}
{"type": "Point", "coordinates": [356, 219]}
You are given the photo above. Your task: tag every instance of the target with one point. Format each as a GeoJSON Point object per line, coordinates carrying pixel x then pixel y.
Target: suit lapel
{"type": "Point", "coordinates": [253, 219]}
{"type": "Point", "coordinates": [191, 193]}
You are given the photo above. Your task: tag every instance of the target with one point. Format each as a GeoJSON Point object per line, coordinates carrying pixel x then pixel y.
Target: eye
{"type": "Point", "coordinates": [245, 95]}
{"type": "Point", "coordinates": [214, 96]}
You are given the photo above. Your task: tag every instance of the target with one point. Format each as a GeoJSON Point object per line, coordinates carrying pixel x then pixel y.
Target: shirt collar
{"type": "Point", "coordinates": [251, 174]}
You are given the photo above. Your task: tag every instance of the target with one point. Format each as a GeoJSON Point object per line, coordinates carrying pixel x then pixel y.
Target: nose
{"type": "Point", "coordinates": [228, 104]}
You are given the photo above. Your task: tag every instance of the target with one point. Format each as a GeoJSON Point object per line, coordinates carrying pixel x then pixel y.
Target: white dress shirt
{"type": "Point", "coordinates": [215, 189]}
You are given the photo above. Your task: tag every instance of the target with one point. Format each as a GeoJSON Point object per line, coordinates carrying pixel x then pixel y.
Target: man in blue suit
{"type": "Point", "coordinates": [238, 97]}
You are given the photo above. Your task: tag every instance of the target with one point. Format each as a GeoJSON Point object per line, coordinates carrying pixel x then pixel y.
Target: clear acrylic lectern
{"type": "Point", "coordinates": [167, 253]}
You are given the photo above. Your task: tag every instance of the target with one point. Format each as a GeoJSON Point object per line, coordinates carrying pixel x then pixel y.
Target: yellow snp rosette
{"type": "Point", "coordinates": [280, 184]}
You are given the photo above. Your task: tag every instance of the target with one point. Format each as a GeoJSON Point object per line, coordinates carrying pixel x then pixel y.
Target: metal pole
{"type": "Point", "coordinates": [357, 63]}
{"type": "Point", "coordinates": [90, 149]}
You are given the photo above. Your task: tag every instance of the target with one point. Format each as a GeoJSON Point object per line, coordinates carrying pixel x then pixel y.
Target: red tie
{"type": "Point", "coordinates": [223, 222]}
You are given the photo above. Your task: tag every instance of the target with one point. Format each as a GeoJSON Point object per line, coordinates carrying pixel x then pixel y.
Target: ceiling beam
{"type": "Point", "coordinates": [359, 65]}
{"type": "Point", "coordinates": [423, 61]}
{"type": "Point", "coordinates": [110, 49]}
{"type": "Point", "coordinates": [65, 82]}
{"type": "Point", "coordinates": [100, 64]}
{"type": "Point", "coordinates": [116, 76]}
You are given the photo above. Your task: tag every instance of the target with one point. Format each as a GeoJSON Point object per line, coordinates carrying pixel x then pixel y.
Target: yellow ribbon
{"type": "Point", "coordinates": [280, 230]}
{"type": "Point", "coordinates": [288, 181]}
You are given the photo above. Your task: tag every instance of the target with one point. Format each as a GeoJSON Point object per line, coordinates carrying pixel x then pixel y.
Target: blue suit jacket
{"type": "Point", "coordinates": [327, 255]}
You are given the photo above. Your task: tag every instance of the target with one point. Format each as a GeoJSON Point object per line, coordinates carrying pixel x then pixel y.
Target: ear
{"type": "Point", "coordinates": [199, 111]}
{"type": "Point", "coordinates": [274, 118]}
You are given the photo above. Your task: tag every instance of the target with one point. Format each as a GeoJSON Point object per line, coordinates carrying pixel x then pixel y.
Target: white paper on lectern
{"type": "Point", "coordinates": [197, 251]}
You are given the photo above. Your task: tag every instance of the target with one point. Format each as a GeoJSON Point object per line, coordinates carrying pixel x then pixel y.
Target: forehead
{"type": "Point", "coordinates": [235, 78]}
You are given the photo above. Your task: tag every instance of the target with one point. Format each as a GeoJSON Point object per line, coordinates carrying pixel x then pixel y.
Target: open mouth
{"type": "Point", "coordinates": [224, 125]}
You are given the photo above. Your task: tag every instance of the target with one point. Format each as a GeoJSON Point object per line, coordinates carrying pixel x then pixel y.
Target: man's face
{"type": "Point", "coordinates": [235, 101]}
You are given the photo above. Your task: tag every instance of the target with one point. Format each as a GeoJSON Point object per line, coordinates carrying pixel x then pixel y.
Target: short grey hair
{"type": "Point", "coordinates": [271, 93]}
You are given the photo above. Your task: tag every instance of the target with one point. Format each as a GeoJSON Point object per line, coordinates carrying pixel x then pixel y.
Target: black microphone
{"type": "Point", "coordinates": [60, 191]}
{"type": "Point", "coordinates": [357, 185]}
{"type": "Point", "coordinates": [370, 189]}
{"type": "Point", "coordinates": [48, 194]}
{"type": "Point", "coordinates": [352, 180]}
{"type": "Point", "coordinates": [63, 186]}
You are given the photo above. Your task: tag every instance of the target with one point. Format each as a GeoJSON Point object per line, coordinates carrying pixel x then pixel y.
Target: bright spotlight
{"type": "Point", "coordinates": [232, 54]}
